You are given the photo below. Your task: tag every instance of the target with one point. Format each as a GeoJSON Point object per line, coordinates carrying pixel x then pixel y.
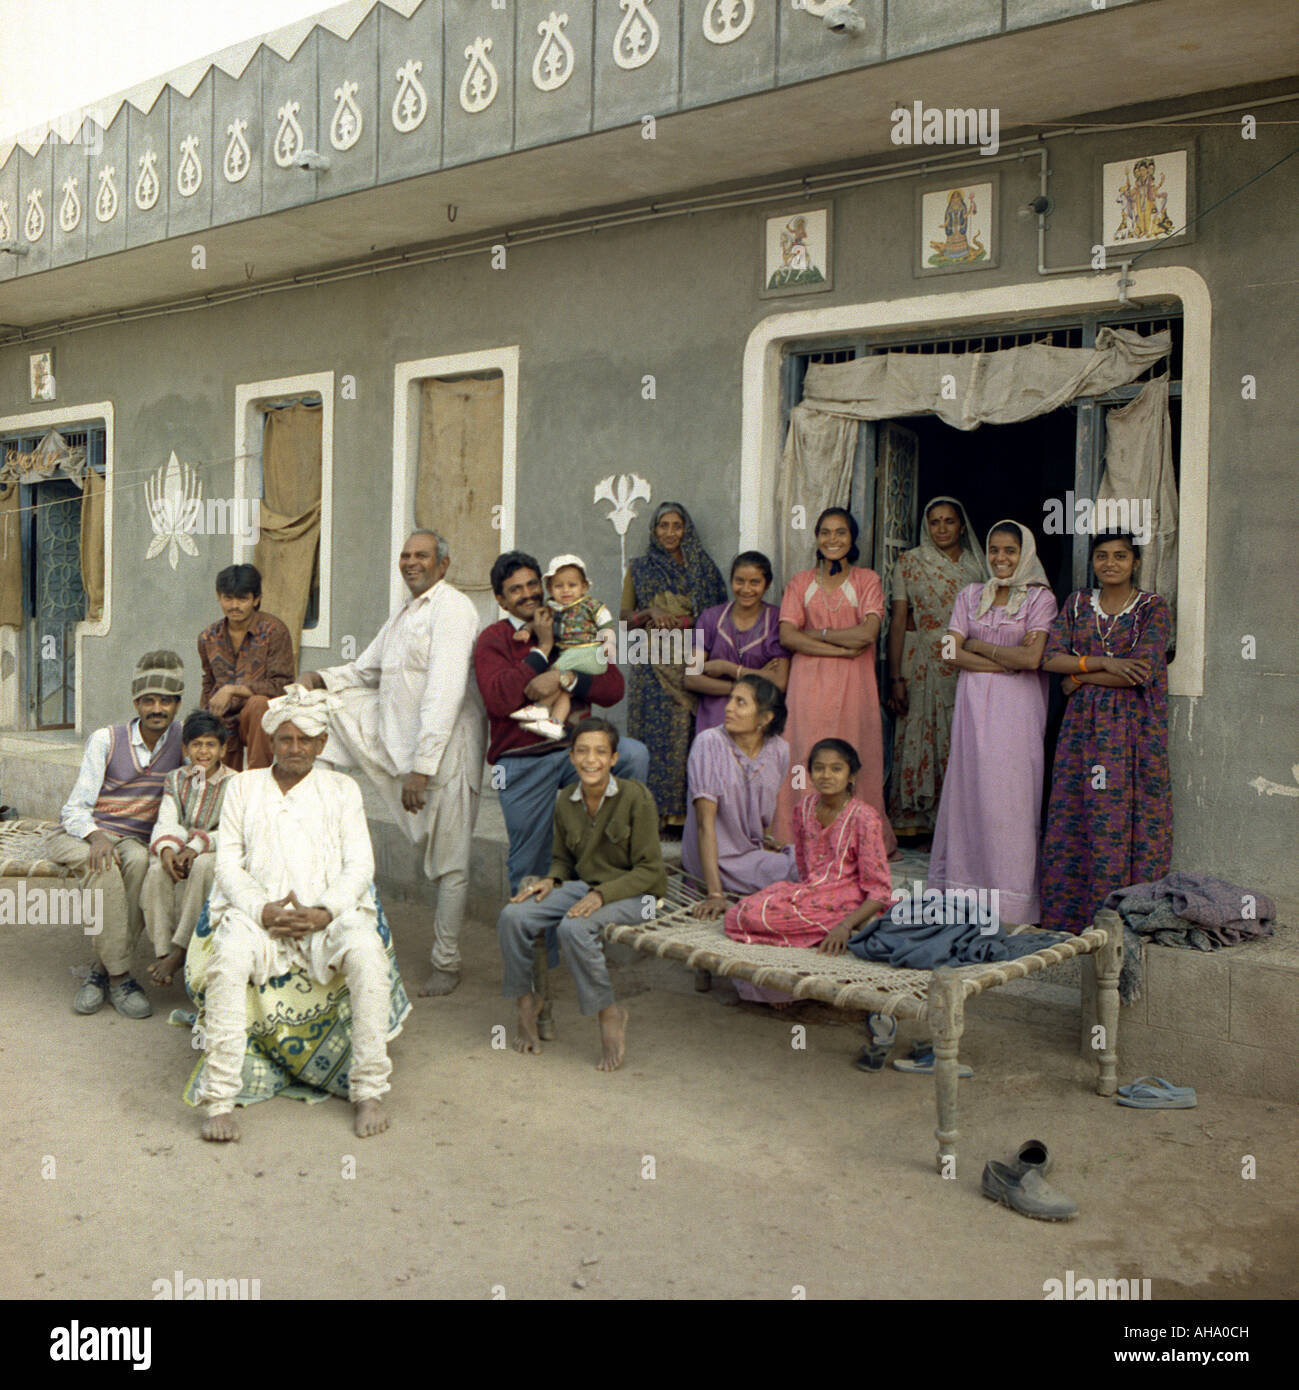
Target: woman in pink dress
{"type": "Point", "coordinates": [988, 820]}
{"type": "Point", "coordinates": [843, 872]}
{"type": "Point", "coordinates": [830, 619]}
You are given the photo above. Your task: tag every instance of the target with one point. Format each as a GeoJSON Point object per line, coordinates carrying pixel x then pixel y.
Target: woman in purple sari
{"type": "Point", "coordinates": [737, 638]}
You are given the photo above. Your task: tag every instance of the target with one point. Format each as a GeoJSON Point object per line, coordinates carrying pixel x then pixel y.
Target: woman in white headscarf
{"type": "Point", "coordinates": [987, 832]}
{"type": "Point", "coordinates": [922, 686]}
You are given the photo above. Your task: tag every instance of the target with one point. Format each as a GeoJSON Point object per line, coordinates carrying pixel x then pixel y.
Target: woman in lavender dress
{"type": "Point", "coordinates": [987, 832]}
{"type": "Point", "coordinates": [737, 637]}
{"type": "Point", "coordinates": [734, 775]}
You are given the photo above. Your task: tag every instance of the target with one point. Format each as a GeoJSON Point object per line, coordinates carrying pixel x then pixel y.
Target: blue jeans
{"type": "Point", "coordinates": [531, 784]}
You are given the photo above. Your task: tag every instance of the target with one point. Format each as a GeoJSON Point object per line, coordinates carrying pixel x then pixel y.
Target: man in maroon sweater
{"type": "Point", "coordinates": [529, 770]}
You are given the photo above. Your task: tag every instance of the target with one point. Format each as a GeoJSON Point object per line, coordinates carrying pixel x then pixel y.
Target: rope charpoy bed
{"type": "Point", "coordinates": [22, 846]}
{"type": "Point", "coordinates": [936, 997]}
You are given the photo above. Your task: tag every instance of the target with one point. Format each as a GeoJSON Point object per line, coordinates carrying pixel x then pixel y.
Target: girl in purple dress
{"type": "Point", "coordinates": [737, 637]}
{"type": "Point", "coordinates": [1108, 828]}
{"type": "Point", "coordinates": [734, 775]}
{"type": "Point", "coordinates": [987, 832]}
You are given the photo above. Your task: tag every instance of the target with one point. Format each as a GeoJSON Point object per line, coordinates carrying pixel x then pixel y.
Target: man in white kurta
{"type": "Point", "coordinates": [411, 719]}
{"type": "Point", "coordinates": [294, 869]}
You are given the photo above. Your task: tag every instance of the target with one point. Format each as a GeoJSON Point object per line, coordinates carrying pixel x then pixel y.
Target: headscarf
{"type": "Point", "coordinates": [656, 572]}
{"type": "Point", "coordinates": [929, 554]}
{"type": "Point", "coordinates": [1028, 572]}
{"type": "Point", "coordinates": [308, 709]}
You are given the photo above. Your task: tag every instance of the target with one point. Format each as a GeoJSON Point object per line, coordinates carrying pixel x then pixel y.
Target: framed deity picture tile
{"type": "Point", "coordinates": [957, 227]}
{"type": "Point", "coordinates": [40, 375]}
{"type": "Point", "coordinates": [1146, 198]}
{"type": "Point", "coordinates": [797, 251]}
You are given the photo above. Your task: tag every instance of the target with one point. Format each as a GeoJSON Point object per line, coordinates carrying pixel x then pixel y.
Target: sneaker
{"type": "Point", "coordinates": [90, 997]}
{"type": "Point", "coordinates": [129, 999]}
{"type": "Point", "coordinates": [529, 712]}
{"type": "Point", "coordinates": [547, 728]}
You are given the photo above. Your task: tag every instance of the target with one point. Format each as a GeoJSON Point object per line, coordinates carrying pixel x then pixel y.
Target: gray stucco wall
{"type": "Point", "coordinates": [677, 299]}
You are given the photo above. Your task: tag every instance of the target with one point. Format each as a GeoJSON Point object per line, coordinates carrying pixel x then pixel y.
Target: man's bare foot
{"type": "Point", "coordinates": [527, 1039]}
{"type": "Point", "coordinates": [613, 1035]}
{"type": "Point", "coordinates": [221, 1129]}
{"type": "Point", "coordinates": [161, 971]}
{"type": "Point", "coordinates": [439, 982]}
{"type": "Point", "coordinates": [371, 1118]}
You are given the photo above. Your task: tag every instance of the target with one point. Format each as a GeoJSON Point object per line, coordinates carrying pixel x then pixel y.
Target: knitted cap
{"type": "Point", "coordinates": [158, 673]}
{"type": "Point", "coordinates": [560, 561]}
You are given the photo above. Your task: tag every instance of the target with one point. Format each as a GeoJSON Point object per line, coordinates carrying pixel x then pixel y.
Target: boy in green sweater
{"type": "Point", "coordinates": [607, 866]}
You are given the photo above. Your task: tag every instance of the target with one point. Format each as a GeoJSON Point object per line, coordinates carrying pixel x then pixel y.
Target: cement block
{"type": "Point", "coordinates": [191, 119]}
{"type": "Point", "coordinates": [102, 238]}
{"type": "Point", "coordinates": [564, 111]}
{"type": "Point", "coordinates": [352, 61]}
{"type": "Point", "coordinates": [1187, 990]}
{"type": "Point", "coordinates": [1147, 1051]}
{"type": "Point", "coordinates": [807, 49]}
{"type": "Point", "coordinates": [1231, 1068]}
{"type": "Point", "coordinates": [283, 85]}
{"type": "Point", "coordinates": [35, 176]}
{"type": "Point", "coordinates": [417, 40]}
{"type": "Point", "coordinates": [1280, 1077]}
{"type": "Point", "coordinates": [238, 100]}
{"type": "Point", "coordinates": [1265, 1007]}
{"type": "Point", "coordinates": [917, 25]}
{"type": "Point", "coordinates": [71, 178]}
{"type": "Point", "coordinates": [477, 134]}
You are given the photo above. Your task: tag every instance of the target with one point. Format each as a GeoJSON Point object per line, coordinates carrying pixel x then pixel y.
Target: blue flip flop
{"type": "Point", "coordinates": [1155, 1093]}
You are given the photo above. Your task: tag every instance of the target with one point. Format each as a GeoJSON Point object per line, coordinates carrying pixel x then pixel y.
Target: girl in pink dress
{"type": "Point", "coordinates": [843, 873]}
{"type": "Point", "coordinates": [830, 620]}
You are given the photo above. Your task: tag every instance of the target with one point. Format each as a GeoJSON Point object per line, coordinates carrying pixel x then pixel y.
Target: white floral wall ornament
{"type": "Point", "coordinates": [1264, 787]}
{"type": "Point", "coordinates": [288, 139]}
{"type": "Point", "coordinates": [631, 487]}
{"type": "Point", "coordinates": [410, 105]}
{"type": "Point", "coordinates": [345, 128]}
{"type": "Point", "coordinates": [6, 231]}
{"type": "Point", "coordinates": [106, 197]}
{"type": "Point", "coordinates": [147, 186]}
{"type": "Point", "coordinates": [189, 176]}
{"type": "Point", "coordinates": [238, 157]}
{"type": "Point", "coordinates": [479, 84]}
{"type": "Point", "coordinates": [173, 497]}
{"type": "Point", "coordinates": [554, 63]}
{"type": "Point", "coordinates": [637, 38]}
{"type": "Point", "coordinates": [70, 208]}
{"type": "Point", "coordinates": [34, 223]}
{"type": "Point", "coordinates": [816, 7]}
{"type": "Point", "coordinates": [727, 20]}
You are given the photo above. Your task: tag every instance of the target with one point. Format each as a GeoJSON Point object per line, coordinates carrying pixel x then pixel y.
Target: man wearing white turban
{"type": "Point", "coordinates": [411, 720]}
{"type": "Point", "coordinates": [293, 891]}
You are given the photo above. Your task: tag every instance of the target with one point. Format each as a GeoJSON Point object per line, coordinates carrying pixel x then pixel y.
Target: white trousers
{"type": "Point", "coordinates": [171, 910]}
{"type": "Point", "coordinates": [244, 952]}
{"type": "Point", "coordinates": [445, 825]}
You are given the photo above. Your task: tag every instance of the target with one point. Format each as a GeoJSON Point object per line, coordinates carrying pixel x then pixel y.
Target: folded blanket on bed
{"type": "Point", "coordinates": [927, 946]}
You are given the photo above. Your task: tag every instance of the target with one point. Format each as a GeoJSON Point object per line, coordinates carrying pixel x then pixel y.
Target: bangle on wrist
{"type": "Point", "coordinates": [1082, 665]}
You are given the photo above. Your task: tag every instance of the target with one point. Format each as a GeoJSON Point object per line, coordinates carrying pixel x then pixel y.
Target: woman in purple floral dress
{"type": "Point", "coordinates": [1110, 821]}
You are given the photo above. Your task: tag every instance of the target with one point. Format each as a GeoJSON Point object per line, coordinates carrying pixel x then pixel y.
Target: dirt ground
{"type": "Point", "coordinates": [774, 1169]}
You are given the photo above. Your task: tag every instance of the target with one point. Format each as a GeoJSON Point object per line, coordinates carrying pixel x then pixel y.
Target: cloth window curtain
{"type": "Point", "coordinates": [11, 555]}
{"type": "Point", "coordinates": [286, 553]}
{"type": "Point", "coordinates": [1139, 466]}
{"type": "Point", "coordinates": [816, 474]}
{"type": "Point", "coordinates": [458, 475]}
{"type": "Point", "coordinates": [964, 389]}
{"type": "Point", "coordinates": [92, 544]}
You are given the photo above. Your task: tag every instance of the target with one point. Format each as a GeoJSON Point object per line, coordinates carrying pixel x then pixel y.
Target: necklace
{"type": "Point", "coordinates": [1106, 622]}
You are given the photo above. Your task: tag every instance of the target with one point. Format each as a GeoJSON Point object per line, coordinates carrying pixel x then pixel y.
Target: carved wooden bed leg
{"type": "Point", "coordinates": [947, 1018]}
{"type": "Point", "coordinates": [1109, 961]}
{"type": "Point", "coordinates": [541, 987]}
